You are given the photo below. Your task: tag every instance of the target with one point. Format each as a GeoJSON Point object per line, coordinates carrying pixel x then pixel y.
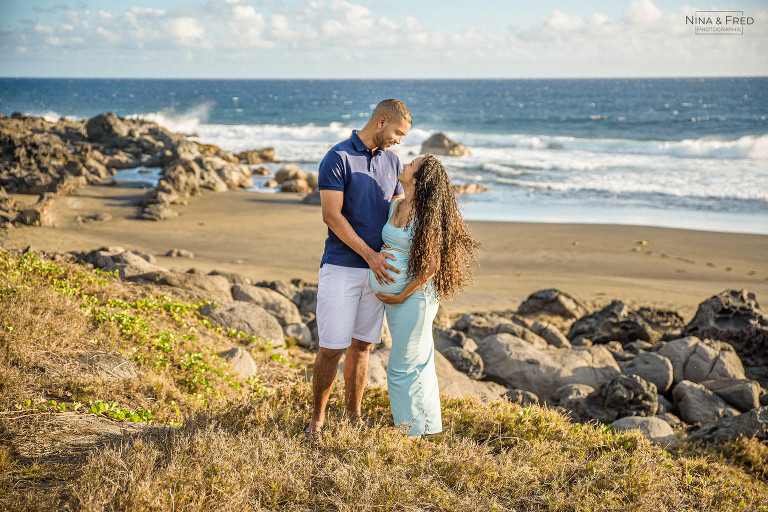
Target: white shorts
{"type": "Point", "coordinates": [347, 307]}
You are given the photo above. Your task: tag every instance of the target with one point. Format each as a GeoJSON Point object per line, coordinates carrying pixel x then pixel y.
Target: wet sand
{"type": "Point", "coordinates": [274, 236]}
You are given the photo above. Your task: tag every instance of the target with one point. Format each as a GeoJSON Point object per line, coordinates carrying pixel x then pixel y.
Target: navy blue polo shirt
{"type": "Point", "coordinates": [368, 181]}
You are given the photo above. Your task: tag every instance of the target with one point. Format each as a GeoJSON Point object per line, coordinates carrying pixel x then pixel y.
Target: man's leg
{"type": "Point", "coordinates": [355, 376]}
{"type": "Point", "coordinates": [326, 365]}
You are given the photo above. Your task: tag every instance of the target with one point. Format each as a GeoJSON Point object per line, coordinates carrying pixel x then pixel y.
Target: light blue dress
{"type": "Point", "coordinates": [411, 379]}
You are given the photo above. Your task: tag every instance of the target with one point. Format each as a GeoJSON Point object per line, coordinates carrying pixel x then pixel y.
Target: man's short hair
{"type": "Point", "coordinates": [393, 109]}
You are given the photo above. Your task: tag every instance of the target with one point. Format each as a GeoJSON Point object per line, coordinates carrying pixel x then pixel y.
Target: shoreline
{"type": "Point", "coordinates": [281, 238]}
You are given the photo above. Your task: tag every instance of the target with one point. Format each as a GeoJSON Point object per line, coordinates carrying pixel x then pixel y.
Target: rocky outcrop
{"type": "Point", "coordinates": [696, 360]}
{"type": "Point", "coordinates": [467, 362]}
{"type": "Point", "coordinates": [240, 361]}
{"type": "Point", "coordinates": [653, 368]}
{"type": "Point", "coordinates": [246, 317]}
{"type": "Point", "coordinates": [554, 303]}
{"type": "Point", "coordinates": [190, 286]}
{"type": "Point", "coordinates": [39, 156]}
{"type": "Point", "coordinates": [623, 396]}
{"type": "Point", "coordinates": [743, 394]}
{"type": "Point", "coordinates": [126, 263]}
{"type": "Point", "coordinates": [734, 316]}
{"type": "Point", "coordinates": [517, 364]}
{"type": "Point", "coordinates": [275, 303]}
{"type": "Point", "coordinates": [615, 322]}
{"type": "Point", "coordinates": [697, 404]}
{"type": "Point", "coordinates": [750, 424]}
{"type": "Point", "coordinates": [655, 429]}
{"type": "Point", "coordinates": [440, 144]}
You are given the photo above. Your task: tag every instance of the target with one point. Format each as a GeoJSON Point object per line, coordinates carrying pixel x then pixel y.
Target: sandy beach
{"type": "Point", "coordinates": [274, 236]}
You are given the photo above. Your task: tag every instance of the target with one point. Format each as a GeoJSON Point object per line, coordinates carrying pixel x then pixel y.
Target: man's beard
{"type": "Point", "coordinates": [380, 141]}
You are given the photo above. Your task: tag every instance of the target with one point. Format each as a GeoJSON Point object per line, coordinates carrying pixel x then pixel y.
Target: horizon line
{"type": "Point", "coordinates": [635, 77]}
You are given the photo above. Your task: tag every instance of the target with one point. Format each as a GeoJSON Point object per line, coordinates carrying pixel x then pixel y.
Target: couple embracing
{"type": "Point", "coordinates": [396, 242]}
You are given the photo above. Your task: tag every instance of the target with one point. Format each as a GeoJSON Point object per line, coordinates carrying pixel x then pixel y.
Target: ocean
{"type": "Point", "coordinates": [685, 153]}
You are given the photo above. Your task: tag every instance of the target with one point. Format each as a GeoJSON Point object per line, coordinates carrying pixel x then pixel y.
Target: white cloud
{"type": "Point", "coordinates": [322, 33]}
{"type": "Point", "coordinates": [43, 29]}
{"type": "Point", "coordinates": [186, 29]}
{"type": "Point", "coordinates": [642, 12]}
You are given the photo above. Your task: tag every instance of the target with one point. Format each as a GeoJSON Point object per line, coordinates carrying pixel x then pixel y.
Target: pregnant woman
{"type": "Point", "coordinates": [432, 248]}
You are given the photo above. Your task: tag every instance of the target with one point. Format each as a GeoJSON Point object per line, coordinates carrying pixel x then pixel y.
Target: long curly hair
{"type": "Point", "coordinates": [439, 231]}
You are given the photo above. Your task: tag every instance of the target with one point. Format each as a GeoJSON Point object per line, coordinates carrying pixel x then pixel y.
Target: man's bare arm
{"type": "Point", "coordinates": [332, 201]}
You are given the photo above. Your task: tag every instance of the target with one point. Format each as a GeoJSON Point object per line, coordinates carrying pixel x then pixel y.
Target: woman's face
{"type": "Point", "coordinates": [406, 177]}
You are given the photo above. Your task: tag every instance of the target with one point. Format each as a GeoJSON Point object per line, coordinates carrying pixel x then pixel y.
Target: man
{"type": "Point", "coordinates": [358, 178]}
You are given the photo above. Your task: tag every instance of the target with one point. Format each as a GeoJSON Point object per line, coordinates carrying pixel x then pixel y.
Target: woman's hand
{"type": "Point", "coordinates": [390, 298]}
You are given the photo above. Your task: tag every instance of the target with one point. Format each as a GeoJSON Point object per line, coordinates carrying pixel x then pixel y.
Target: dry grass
{"type": "Point", "coordinates": [238, 447]}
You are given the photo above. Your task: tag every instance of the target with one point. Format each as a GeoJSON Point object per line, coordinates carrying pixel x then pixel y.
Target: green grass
{"type": "Point", "coordinates": [236, 444]}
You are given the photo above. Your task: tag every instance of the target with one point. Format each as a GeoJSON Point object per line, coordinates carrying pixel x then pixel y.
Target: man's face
{"type": "Point", "coordinates": [390, 132]}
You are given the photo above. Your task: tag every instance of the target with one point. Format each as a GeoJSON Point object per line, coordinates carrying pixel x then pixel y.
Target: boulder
{"type": "Point", "coordinates": [672, 420]}
{"type": "Point", "coordinates": [296, 186]}
{"type": "Point", "coordinates": [697, 404]}
{"type": "Point", "coordinates": [202, 287]}
{"type": "Point", "coordinates": [306, 299]}
{"type": "Point", "coordinates": [623, 396]}
{"type": "Point", "coordinates": [440, 144]}
{"type": "Point", "coordinates": [465, 361]}
{"type": "Point", "coordinates": [127, 264]}
{"type": "Point", "coordinates": [615, 322]}
{"type": "Point", "coordinates": [240, 361]}
{"type": "Point", "coordinates": [750, 424]}
{"type": "Point", "coordinates": [546, 331]}
{"type": "Point", "coordinates": [518, 364]}
{"type": "Point", "coordinates": [158, 212]}
{"type": "Point", "coordinates": [655, 429]}
{"type": "Point", "coordinates": [106, 127]}
{"type": "Point", "coordinates": [246, 317]}
{"type": "Point", "coordinates": [734, 316]}
{"type": "Point", "coordinates": [653, 368]}
{"type": "Point", "coordinates": [743, 394]}
{"type": "Point", "coordinates": [481, 326]}
{"type": "Point", "coordinates": [696, 360]}
{"type": "Point", "coordinates": [232, 277]}
{"type": "Point", "coordinates": [278, 305]}
{"type": "Point", "coordinates": [448, 338]}
{"type": "Point", "coordinates": [554, 303]}
{"type": "Point", "coordinates": [290, 172]}
{"type": "Point", "coordinates": [301, 333]}
{"type": "Point", "coordinates": [284, 288]}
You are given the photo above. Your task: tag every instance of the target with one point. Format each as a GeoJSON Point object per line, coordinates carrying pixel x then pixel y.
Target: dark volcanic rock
{"type": "Point", "coordinates": [734, 316]}
{"type": "Point", "coordinates": [439, 144]}
{"type": "Point", "coordinates": [622, 396]}
{"type": "Point", "coordinates": [615, 322]}
{"type": "Point", "coordinates": [106, 127]}
{"type": "Point", "coordinates": [469, 363]}
{"type": "Point", "coordinates": [553, 302]}
{"type": "Point", "coordinates": [750, 424]}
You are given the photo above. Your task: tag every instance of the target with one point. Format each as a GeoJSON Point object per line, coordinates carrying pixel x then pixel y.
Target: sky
{"type": "Point", "coordinates": [385, 39]}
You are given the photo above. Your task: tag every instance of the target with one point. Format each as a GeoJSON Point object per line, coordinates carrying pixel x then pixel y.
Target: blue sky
{"type": "Point", "coordinates": [352, 39]}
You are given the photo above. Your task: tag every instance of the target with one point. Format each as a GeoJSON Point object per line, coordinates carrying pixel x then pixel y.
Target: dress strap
{"type": "Point", "coordinates": [392, 207]}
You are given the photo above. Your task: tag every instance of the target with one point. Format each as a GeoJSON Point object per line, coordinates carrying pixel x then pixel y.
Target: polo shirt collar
{"type": "Point", "coordinates": [358, 142]}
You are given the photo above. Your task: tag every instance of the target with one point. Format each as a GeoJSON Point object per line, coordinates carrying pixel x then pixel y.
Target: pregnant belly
{"type": "Point", "coordinates": [401, 263]}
